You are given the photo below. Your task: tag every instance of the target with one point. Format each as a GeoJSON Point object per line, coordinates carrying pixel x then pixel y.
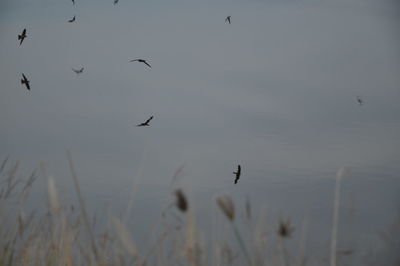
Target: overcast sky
{"type": "Point", "coordinates": [274, 91]}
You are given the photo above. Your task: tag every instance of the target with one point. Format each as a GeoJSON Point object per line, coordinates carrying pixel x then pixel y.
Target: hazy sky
{"type": "Point", "coordinates": [274, 91]}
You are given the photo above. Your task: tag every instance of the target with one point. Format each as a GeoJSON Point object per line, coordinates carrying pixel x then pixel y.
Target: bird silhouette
{"type": "Point", "coordinates": [22, 36]}
{"type": "Point", "coordinates": [237, 174]}
{"type": "Point", "coordinates": [71, 20]}
{"type": "Point", "coordinates": [25, 81]}
{"type": "Point", "coordinates": [73, 2]}
{"type": "Point", "coordinates": [228, 19]}
{"type": "Point", "coordinates": [360, 101]}
{"type": "Point", "coordinates": [144, 124]}
{"type": "Point", "coordinates": [141, 61]}
{"type": "Point", "coordinates": [116, 2]}
{"type": "Point", "coordinates": [77, 71]}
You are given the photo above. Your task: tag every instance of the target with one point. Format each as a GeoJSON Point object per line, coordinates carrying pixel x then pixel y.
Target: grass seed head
{"type": "Point", "coordinates": [225, 203]}
{"type": "Point", "coordinates": [181, 201]}
{"type": "Point", "coordinates": [285, 229]}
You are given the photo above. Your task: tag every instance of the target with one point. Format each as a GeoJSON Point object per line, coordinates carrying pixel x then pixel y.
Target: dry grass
{"type": "Point", "coordinates": [65, 236]}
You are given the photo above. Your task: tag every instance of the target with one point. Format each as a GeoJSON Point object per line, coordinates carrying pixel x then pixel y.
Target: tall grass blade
{"type": "Point", "coordinates": [336, 205]}
{"type": "Point", "coordinates": [83, 208]}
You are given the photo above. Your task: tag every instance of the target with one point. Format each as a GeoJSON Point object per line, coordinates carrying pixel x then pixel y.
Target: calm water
{"type": "Point", "coordinates": [276, 91]}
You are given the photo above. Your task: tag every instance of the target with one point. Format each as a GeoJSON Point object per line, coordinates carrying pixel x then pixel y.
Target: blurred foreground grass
{"type": "Point", "coordinates": [67, 236]}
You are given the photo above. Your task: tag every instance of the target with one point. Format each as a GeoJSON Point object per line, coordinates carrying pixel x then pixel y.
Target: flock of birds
{"type": "Point", "coordinates": [25, 81]}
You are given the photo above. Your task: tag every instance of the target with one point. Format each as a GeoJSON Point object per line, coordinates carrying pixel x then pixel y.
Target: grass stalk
{"type": "Point", "coordinates": [83, 208]}
{"type": "Point", "coordinates": [241, 243]}
{"type": "Point", "coordinates": [336, 205]}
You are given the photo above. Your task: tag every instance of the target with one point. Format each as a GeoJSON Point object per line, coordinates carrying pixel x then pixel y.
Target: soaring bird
{"type": "Point", "coordinates": [360, 101]}
{"type": "Point", "coordinates": [116, 2]}
{"type": "Point", "coordinates": [73, 2]}
{"type": "Point", "coordinates": [144, 124]}
{"type": "Point", "coordinates": [141, 61]}
{"type": "Point", "coordinates": [25, 81]}
{"type": "Point", "coordinates": [77, 71]}
{"type": "Point", "coordinates": [228, 19]}
{"type": "Point", "coordinates": [22, 36]}
{"type": "Point", "coordinates": [72, 19]}
{"type": "Point", "coordinates": [237, 174]}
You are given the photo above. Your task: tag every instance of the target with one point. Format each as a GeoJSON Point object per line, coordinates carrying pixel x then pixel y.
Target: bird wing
{"type": "Point", "coordinates": [28, 86]}
{"type": "Point", "coordinates": [24, 32]}
{"type": "Point", "coordinates": [237, 177]}
{"type": "Point", "coordinates": [134, 60]}
{"type": "Point", "coordinates": [73, 69]}
{"type": "Point", "coordinates": [146, 63]}
{"type": "Point", "coordinates": [239, 169]}
{"type": "Point", "coordinates": [81, 70]}
{"type": "Point", "coordinates": [148, 120]}
{"type": "Point", "coordinates": [22, 39]}
{"type": "Point", "coordinates": [25, 79]}
{"type": "Point", "coordinates": [72, 19]}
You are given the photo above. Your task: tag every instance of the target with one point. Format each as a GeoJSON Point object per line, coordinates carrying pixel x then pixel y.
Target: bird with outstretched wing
{"type": "Point", "coordinates": [144, 124]}
{"type": "Point", "coordinates": [22, 36]}
{"type": "Point", "coordinates": [141, 61]}
{"type": "Point", "coordinates": [25, 82]}
{"type": "Point", "coordinates": [78, 71]}
{"type": "Point", "coordinates": [237, 174]}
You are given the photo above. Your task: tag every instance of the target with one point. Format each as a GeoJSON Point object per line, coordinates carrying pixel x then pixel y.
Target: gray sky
{"type": "Point", "coordinates": [274, 91]}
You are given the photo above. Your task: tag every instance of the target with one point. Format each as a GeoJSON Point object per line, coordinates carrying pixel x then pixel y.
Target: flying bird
{"type": "Point", "coordinates": [116, 2]}
{"type": "Point", "coordinates": [141, 61]}
{"type": "Point", "coordinates": [71, 20]}
{"type": "Point", "coordinates": [144, 124]}
{"type": "Point", "coordinates": [237, 174]}
{"type": "Point", "coordinates": [25, 81]}
{"type": "Point", "coordinates": [77, 71]}
{"type": "Point", "coordinates": [228, 19]}
{"type": "Point", "coordinates": [360, 101]}
{"type": "Point", "coordinates": [73, 2]}
{"type": "Point", "coordinates": [22, 36]}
